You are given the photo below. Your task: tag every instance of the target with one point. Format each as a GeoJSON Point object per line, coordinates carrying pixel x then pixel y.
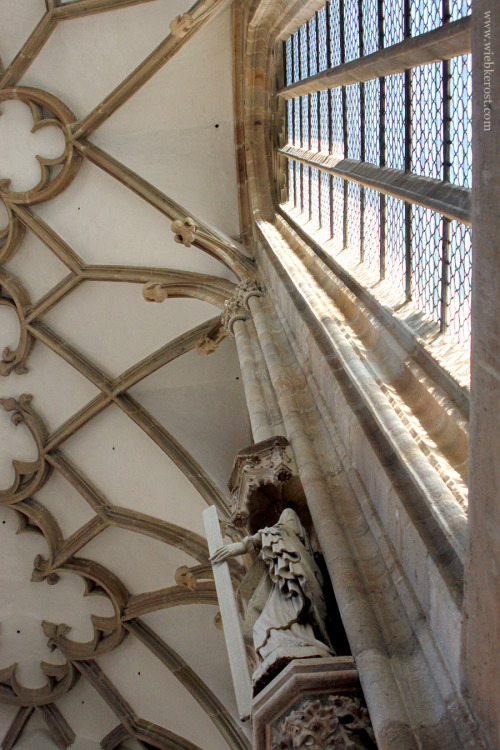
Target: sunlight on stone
{"type": "Point", "coordinates": [19, 146]}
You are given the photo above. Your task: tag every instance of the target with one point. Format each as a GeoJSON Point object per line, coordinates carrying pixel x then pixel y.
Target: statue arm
{"type": "Point", "coordinates": [238, 548]}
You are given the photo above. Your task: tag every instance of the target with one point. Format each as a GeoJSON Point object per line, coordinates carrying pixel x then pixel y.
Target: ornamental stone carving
{"type": "Point", "coordinates": [55, 173]}
{"type": "Point", "coordinates": [313, 704]}
{"type": "Point", "coordinates": [264, 475]}
{"type": "Point", "coordinates": [339, 723]}
{"type": "Point", "coordinates": [14, 296]}
{"type": "Point", "coordinates": [181, 25]}
{"type": "Point", "coordinates": [210, 342]}
{"type": "Point", "coordinates": [33, 517]}
{"type": "Point", "coordinates": [184, 231]}
{"type": "Point", "coordinates": [237, 307]}
{"type": "Point", "coordinates": [153, 292]}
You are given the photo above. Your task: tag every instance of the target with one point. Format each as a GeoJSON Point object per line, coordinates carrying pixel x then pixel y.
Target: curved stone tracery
{"type": "Point", "coordinates": [11, 235]}
{"type": "Point", "coordinates": [14, 296]}
{"type": "Point", "coordinates": [51, 182]}
{"type": "Point", "coordinates": [109, 632]}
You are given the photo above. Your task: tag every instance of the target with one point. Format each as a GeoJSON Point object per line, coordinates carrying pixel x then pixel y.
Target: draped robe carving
{"type": "Point", "coordinates": [293, 616]}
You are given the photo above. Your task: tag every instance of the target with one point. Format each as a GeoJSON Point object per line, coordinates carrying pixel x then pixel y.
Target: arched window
{"type": "Point", "coordinates": [378, 149]}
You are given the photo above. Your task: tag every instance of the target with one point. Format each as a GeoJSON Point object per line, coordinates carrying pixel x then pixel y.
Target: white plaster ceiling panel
{"type": "Point", "coordinates": [193, 369]}
{"type": "Point", "coordinates": [25, 604]}
{"type": "Point", "coordinates": [111, 311]}
{"type": "Point", "coordinates": [65, 504]}
{"type": "Point", "coordinates": [158, 695]}
{"type": "Point", "coordinates": [46, 371]}
{"type": "Point", "coordinates": [133, 472]}
{"type": "Point", "coordinates": [105, 222]}
{"type": "Point", "coordinates": [37, 736]}
{"type": "Point", "coordinates": [141, 562]}
{"type": "Point", "coordinates": [37, 265]}
{"type": "Point", "coordinates": [20, 145]}
{"type": "Point", "coordinates": [99, 51]}
{"type": "Point", "coordinates": [190, 631]}
{"type": "Point", "coordinates": [17, 21]}
{"type": "Point", "coordinates": [167, 131]}
{"type": "Point", "coordinates": [207, 414]}
{"type": "Point", "coordinates": [87, 714]}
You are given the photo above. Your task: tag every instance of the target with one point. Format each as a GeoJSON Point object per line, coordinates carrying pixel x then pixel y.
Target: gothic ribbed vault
{"type": "Point", "coordinates": [130, 431]}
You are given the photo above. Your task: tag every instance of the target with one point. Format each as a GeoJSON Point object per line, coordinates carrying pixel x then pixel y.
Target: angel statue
{"type": "Point", "coordinates": [292, 618]}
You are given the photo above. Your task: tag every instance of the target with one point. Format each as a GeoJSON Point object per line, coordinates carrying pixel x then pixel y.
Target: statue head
{"type": "Point", "coordinates": [290, 520]}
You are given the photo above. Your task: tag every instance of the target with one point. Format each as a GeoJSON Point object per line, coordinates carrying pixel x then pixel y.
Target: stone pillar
{"type": "Point", "coordinates": [482, 592]}
{"type": "Point", "coordinates": [263, 409]}
{"type": "Point", "coordinates": [390, 719]}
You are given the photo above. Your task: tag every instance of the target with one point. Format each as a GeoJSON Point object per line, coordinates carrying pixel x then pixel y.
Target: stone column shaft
{"type": "Point", "coordinates": [381, 691]}
{"type": "Point", "coordinates": [263, 409]}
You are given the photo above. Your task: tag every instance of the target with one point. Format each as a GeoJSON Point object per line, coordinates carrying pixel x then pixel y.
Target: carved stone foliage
{"type": "Point", "coordinates": [210, 342]}
{"type": "Point", "coordinates": [184, 231]}
{"type": "Point", "coordinates": [180, 26]}
{"type": "Point", "coordinates": [237, 307]}
{"type": "Point", "coordinates": [189, 577]}
{"type": "Point", "coordinates": [14, 296]}
{"type": "Point", "coordinates": [338, 723]}
{"type": "Point", "coordinates": [55, 174]}
{"type": "Point", "coordinates": [313, 703]}
{"type": "Point", "coordinates": [153, 292]}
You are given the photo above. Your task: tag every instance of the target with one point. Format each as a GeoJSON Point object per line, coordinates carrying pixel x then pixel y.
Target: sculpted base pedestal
{"type": "Point", "coordinates": [313, 703]}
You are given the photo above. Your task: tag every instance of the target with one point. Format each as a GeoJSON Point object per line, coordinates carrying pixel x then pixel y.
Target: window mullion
{"type": "Point", "coordinates": [362, 136]}
{"type": "Point", "coordinates": [344, 116]}
{"type": "Point", "coordinates": [445, 260]}
{"type": "Point", "coordinates": [407, 159]}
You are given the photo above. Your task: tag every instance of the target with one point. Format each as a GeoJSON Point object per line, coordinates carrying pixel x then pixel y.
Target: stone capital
{"type": "Point", "coordinates": [237, 306]}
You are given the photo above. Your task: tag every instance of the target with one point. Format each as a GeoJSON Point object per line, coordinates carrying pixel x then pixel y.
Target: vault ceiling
{"type": "Point", "coordinates": [129, 432]}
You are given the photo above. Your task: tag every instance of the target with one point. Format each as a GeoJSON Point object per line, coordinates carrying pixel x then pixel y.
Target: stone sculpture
{"type": "Point", "coordinates": [291, 622]}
